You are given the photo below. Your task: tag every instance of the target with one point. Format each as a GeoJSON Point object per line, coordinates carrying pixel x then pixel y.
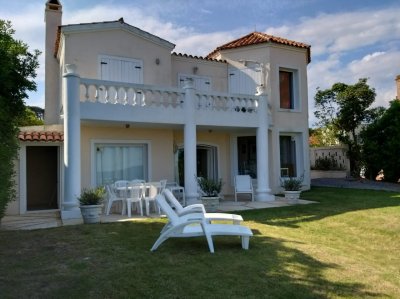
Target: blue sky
{"type": "Point", "coordinates": [349, 39]}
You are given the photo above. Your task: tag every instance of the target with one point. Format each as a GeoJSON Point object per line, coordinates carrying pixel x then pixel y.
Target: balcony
{"type": "Point", "coordinates": [124, 102]}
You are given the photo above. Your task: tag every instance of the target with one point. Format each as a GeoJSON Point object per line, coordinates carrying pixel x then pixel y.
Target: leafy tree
{"type": "Point", "coordinates": [29, 118]}
{"type": "Point", "coordinates": [323, 136]}
{"type": "Point", "coordinates": [346, 108]}
{"type": "Point", "coordinates": [381, 144]}
{"type": "Point", "coordinates": [17, 71]}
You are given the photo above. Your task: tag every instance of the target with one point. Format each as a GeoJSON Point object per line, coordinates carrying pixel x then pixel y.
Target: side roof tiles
{"type": "Point", "coordinates": [259, 38]}
{"type": "Point", "coordinates": [41, 136]}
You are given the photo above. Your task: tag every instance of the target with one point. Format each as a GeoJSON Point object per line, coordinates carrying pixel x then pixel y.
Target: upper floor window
{"type": "Point", "coordinates": [200, 82]}
{"type": "Point", "coordinates": [288, 89]}
{"type": "Point", "coordinates": [121, 69]}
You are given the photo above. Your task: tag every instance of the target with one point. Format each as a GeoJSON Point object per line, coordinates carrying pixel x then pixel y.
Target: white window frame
{"type": "Point", "coordinates": [196, 78]}
{"type": "Point", "coordinates": [298, 138]}
{"type": "Point", "coordinates": [94, 142]}
{"type": "Point", "coordinates": [133, 60]}
{"type": "Point", "coordinates": [295, 89]}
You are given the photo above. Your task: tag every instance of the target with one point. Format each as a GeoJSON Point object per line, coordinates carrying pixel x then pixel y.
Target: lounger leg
{"type": "Point", "coordinates": [245, 242]}
{"type": "Point", "coordinates": [159, 241]}
{"type": "Point", "coordinates": [210, 243]}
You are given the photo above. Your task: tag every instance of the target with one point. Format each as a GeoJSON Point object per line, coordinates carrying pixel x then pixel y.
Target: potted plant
{"type": "Point", "coordinates": [91, 204]}
{"type": "Point", "coordinates": [292, 187]}
{"type": "Point", "coordinates": [211, 190]}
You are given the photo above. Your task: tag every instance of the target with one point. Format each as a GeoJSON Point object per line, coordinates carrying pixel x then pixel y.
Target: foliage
{"type": "Point", "coordinates": [381, 144]}
{"type": "Point", "coordinates": [347, 108]}
{"type": "Point", "coordinates": [210, 187]}
{"type": "Point", "coordinates": [17, 71]}
{"type": "Point", "coordinates": [301, 251]}
{"type": "Point", "coordinates": [326, 163]}
{"type": "Point", "coordinates": [92, 196]}
{"type": "Point", "coordinates": [323, 136]}
{"type": "Point", "coordinates": [292, 183]}
{"type": "Point", "coordinates": [29, 118]}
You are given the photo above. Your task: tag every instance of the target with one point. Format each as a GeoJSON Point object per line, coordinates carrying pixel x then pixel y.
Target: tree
{"type": "Point", "coordinates": [381, 144]}
{"type": "Point", "coordinates": [17, 71]}
{"type": "Point", "coordinates": [29, 118]}
{"type": "Point", "coordinates": [346, 108]}
{"type": "Point", "coordinates": [323, 136]}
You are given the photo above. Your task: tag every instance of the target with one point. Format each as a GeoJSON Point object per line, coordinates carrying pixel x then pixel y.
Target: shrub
{"type": "Point", "coordinates": [210, 187]}
{"type": "Point", "coordinates": [327, 163]}
{"type": "Point", "coordinates": [292, 183]}
{"type": "Point", "coordinates": [91, 196]}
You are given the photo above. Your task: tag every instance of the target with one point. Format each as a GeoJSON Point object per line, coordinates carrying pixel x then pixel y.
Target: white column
{"type": "Point", "coordinates": [189, 143]}
{"type": "Point", "coordinates": [263, 192]}
{"type": "Point", "coordinates": [72, 137]}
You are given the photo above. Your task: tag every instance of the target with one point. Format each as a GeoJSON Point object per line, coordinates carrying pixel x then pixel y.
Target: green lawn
{"type": "Point", "coordinates": [345, 246]}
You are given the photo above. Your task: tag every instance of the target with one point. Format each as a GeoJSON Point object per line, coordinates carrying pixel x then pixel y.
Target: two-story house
{"type": "Point", "coordinates": [120, 104]}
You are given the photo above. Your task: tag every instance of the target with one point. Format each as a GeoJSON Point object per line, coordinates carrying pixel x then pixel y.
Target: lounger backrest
{"type": "Point", "coordinates": [173, 201]}
{"type": "Point", "coordinates": [166, 208]}
{"type": "Point", "coordinates": [243, 183]}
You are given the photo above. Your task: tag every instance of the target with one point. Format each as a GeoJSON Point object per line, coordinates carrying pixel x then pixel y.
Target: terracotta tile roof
{"type": "Point", "coordinates": [45, 136]}
{"type": "Point", "coordinates": [197, 57]}
{"type": "Point", "coordinates": [259, 38]}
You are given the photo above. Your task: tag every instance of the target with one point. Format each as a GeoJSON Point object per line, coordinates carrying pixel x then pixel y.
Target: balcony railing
{"type": "Point", "coordinates": [99, 91]}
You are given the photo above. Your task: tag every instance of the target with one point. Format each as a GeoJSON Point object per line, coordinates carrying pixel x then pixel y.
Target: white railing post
{"type": "Point", "coordinates": [190, 143]}
{"type": "Point", "coordinates": [263, 192]}
{"type": "Point", "coordinates": [72, 137]}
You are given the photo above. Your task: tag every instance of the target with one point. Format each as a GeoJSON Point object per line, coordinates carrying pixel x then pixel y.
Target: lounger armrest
{"type": "Point", "coordinates": [198, 207]}
{"type": "Point", "coordinates": [192, 217]}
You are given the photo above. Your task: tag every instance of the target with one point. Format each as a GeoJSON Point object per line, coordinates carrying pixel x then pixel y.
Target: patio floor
{"type": "Point", "coordinates": [48, 219]}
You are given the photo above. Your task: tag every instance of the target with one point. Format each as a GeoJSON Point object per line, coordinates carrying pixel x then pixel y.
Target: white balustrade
{"type": "Point", "coordinates": [140, 95]}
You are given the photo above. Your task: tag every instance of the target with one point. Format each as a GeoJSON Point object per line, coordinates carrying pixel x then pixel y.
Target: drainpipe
{"type": "Point", "coordinates": [72, 138]}
{"type": "Point", "coordinates": [263, 192]}
{"type": "Point", "coordinates": [190, 143]}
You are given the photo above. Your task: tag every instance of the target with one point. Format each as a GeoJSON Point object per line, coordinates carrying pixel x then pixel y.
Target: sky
{"type": "Point", "coordinates": [349, 39]}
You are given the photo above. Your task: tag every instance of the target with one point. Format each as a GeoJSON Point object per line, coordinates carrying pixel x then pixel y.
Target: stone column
{"type": "Point", "coordinates": [263, 192]}
{"type": "Point", "coordinates": [72, 147]}
{"type": "Point", "coordinates": [190, 143]}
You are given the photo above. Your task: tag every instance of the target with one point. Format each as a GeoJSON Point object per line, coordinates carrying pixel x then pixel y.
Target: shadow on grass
{"type": "Point", "coordinates": [114, 261]}
{"type": "Point", "coordinates": [330, 202]}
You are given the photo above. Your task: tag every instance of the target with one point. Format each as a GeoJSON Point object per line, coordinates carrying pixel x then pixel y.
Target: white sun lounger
{"type": "Point", "coordinates": [199, 208]}
{"type": "Point", "coordinates": [195, 225]}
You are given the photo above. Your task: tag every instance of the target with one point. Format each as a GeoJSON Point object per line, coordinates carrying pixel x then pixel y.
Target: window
{"type": "Point", "coordinates": [244, 81]}
{"type": "Point", "coordinates": [288, 156]}
{"type": "Point", "coordinates": [200, 82]}
{"type": "Point", "coordinates": [121, 69]}
{"type": "Point", "coordinates": [121, 162]}
{"type": "Point", "coordinates": [247, 155]}
{"type": "Point", "coordinates": [286, 90]}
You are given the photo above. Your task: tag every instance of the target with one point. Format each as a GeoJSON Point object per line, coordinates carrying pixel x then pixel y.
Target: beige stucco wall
{"type": "Point", "coordinates": [216, 71]}
{"type": "Point", "coordinates": [83, 49]}
{"type": "Point", "coordinates": [161, 157]}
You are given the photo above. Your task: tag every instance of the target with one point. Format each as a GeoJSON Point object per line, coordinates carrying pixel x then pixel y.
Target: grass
{"type": "Point", "coordinates": [346, 246]}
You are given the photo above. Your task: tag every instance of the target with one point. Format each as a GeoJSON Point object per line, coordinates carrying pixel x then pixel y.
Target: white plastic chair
{"type": "Point", "coordinates": [243, 185]}
{"type": "Point", "coordinates": [195, 225]}
{"type": "Point", "coordinates": [134, 196]}
{"type": "Point", "coordinates": [152, 188]}
{"type": "Point", "coordinates": [112, 197]}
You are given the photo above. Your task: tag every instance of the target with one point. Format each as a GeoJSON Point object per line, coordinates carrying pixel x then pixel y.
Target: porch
{"type": "Point", "coordinates": [51, 219]}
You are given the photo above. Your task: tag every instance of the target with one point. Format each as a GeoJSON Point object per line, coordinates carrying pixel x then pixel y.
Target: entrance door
{"type": "Point", "coordinates": [42, 177]}
{"type": "Point", "coordinates": [206, 161]}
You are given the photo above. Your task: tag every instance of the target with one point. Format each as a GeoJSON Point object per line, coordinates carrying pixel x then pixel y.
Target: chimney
{"type": "Point", "coordinates": [398, 86]}
{"type": "Point", "coordinates": [52, 18]}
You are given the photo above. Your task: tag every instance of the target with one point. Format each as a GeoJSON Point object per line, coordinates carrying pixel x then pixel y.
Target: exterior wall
{"type": "Point", "coordinates": [217, 71]}
{"type": "Point", "coordinates": [13, 206]}
{"type": "Point", "coordinates": [398, 87]}
{"type": "Point", "coordinates": [83, 49]}
{"type": "Point", "coordinates": [293, 122]}
{"type": "Point", "coordinates": [161, 157]}
{"type": "Point", "coordinates": [337, 152]}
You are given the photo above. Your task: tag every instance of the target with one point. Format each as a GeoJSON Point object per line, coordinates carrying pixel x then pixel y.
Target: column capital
{"type": "Point", "coordinates": [71, 70]}
{"type": "Point", "coordinates": [188, 83]}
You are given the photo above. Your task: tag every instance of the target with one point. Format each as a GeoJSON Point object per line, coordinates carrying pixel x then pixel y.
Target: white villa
{"type": "Point", "coordinates": [120, 104]}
